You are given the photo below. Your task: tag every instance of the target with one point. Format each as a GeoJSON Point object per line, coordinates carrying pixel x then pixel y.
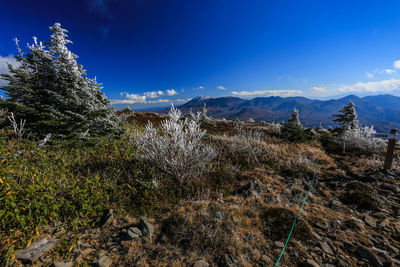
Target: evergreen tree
{"type": "Point", "coordinates": [294, 121]}
{"type": "Point", "coordinates": [52, 92]}
{"type": "Point", "coordinates": [293, 130]}
{"type": "Point", "coordinates": [348, 118]}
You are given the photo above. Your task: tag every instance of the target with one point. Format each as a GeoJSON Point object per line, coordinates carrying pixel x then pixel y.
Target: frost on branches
{"type": "Point", "coordinates": [177, 148]}
{"type": "Point", "coordinates": [348, 117]}
{"type": "Point", "coordinates": [52, 92]}
{"type": "Point", "coordinates": [359, 138]}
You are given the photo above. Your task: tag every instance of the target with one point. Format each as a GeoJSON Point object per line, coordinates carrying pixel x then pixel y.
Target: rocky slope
{"type": "Point", "coordinates": [242, 217]}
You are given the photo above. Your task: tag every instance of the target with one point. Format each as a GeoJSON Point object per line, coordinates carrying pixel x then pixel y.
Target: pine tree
{"type": "Point", "coordinates": [294, 120]}
{"type": "Point", "coordinates": [293, 130]}
{"type": "Point", "coordinates": [348, 118]}
{"type": "Point", "coordinates": [52, 92]}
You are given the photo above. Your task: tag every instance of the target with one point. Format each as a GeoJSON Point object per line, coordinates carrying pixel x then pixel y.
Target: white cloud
{"type": "Point", "coordinates": [157, 101]}
{"type": "Point", "coordinates": [396, 64]}
{"type": "Point", "coordinates": [220, 87]}
{"type": "Point", "coordinates": [388, 71]}
{"type": "Point", "coordinates": [3, 65]}
{"type": "Point", "coordinates": [372, 87]}
{"type": "Point", "coordinates": [318, 89]}
{"type": "Point", "coordinates": [152, 94]}
{"type": "Point", "coordinates": [199, 88]}
{"type": "Point", "coordinates": [171, 92]}
{"type": "Point", "coordinates": [369, 75]}
{"type": "Point", "coordinates": [268, 92]}
{"type": "Point", "coordinates": [183, 100]}
{"type": "Point", "coordinates": [129, 101]}
{"type": "Point", "coordinates": [135, 97]}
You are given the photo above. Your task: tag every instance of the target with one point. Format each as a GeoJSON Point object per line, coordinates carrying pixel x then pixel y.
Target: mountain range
{"type": "Point", "coordinates": [381, 111]}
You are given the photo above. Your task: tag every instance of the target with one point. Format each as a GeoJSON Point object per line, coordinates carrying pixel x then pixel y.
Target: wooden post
{"type": "Point", "coordinates": [390, 152]}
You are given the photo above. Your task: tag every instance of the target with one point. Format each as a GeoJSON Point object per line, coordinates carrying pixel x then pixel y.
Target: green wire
{"type": "Point", "coordinates": [295, 219]}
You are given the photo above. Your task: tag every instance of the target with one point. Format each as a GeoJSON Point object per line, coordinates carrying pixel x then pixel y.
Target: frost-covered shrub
{"type": "Point", "coordinates": [177, 148]}
{"type": "Point", "coordinates": [294, 131]}
{"type": "Point", "coordinates": [360, 139]}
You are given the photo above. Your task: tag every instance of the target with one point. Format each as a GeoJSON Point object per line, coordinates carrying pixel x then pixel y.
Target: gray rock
{"type": "Point", "coordinates": [201, 263]}
{"type": "Point", "coordinates": [369, 255]}
{"type": "Point", "coordinates": [336, 204]}
{"type": "Point", "coordinates": [63, 264]}
{"type": "Point", "coordinates": [134, 232]}
{"type": "Point", "coordinates": [326, 248]}
{"type": "Point", "coordinates": [310, 263]}
{"type": "Point", "coordinates": [252, 186]}
{"type": "Point", "coordinates": [227, 261]}
{"type": "Point", "coordinates": [370, 221]}
{"type": "Point", "coordinates": [146, 227]}
{"type": "Point", "coordinates": [279, 244]}
{"type": "Point", "coordinates": [107, 218]}
{"type": "Point", "coordinates": [36, 250]}
{"type": "Point", "coordinates": [390, 187]}
{"type": "Point", "coordinates": [104, 261]}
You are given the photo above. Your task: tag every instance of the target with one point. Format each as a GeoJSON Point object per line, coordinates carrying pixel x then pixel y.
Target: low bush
{"type": "Point", "coordinates": [359, 140]}
{"type": "Point", "coordinates": [177, 148]}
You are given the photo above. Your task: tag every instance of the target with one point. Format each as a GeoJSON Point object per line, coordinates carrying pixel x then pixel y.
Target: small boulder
{"type": "Point", "coordinates": [107, 218]}
{"type": "Point", "coordinates": [104, 261]}
{"type": "Point", "coordinates": [246, 190]}
{"type": "Point", "coordinates": [201, 263]}
{"type": "Point", "coordinates": [36, 250]}
{"type": "Point", "coordinates": [326, 248]}
{"type": "Point", "coordinates": [369, 255]}
{"type": "Point", "coordinates": [134, 232]}
{"type": "Point", "coordinates": [370, 221]}
{"type": "Point", "coordinates": [310, 263]}
{"type": "Point", "coordinates": [63, 264]}
{"type": "Point", "coordinates": [146, 227]}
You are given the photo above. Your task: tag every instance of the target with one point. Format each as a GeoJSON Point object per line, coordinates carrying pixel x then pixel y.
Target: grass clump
{"type": "Point", "coordinates": [39, 188]}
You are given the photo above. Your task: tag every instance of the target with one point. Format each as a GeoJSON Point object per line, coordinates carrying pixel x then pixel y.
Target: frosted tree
{"type": "Point", "coordinates": [348, 118]}
{"type": "Point", "coordinates": [52, 92]}
{"type": "Point", "coordinates": [293, 130]}
{"type": "Point", "coordinates": [294, 120]}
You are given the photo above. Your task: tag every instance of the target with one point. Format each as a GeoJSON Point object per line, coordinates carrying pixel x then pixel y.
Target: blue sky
{"type": "Point", "coordinates": [150, 52]}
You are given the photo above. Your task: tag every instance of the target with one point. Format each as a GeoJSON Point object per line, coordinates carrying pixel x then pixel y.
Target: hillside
{"type": "Point", "coordinates": [97, 204]}
{"type": "Point", "coordinates": [382, 111]}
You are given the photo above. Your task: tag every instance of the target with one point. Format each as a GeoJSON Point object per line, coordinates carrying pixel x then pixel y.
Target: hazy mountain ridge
{"type": "Point", "coordinates": [382, 111]}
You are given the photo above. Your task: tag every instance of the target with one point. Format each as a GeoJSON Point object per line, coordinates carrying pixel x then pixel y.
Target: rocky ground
{"type": "Point", "coordinates": [351, 218]}
{"type": "Point", "coordinates": [336, 228]}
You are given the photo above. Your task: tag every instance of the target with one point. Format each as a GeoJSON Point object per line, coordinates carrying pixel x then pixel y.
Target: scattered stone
{"type": "Point", "coordinates": [326, 248]}
{"type": "Point", "coordinates": [279, 244]}
{"type": "Point", "coordinates": [227, 261]}
{"type": "Point", "coordinates": [377, 177]}
{"type": "Point", "coordinates": [317, 236]}
{"type": "Point", "coordinates": [336, 204]}
{"type": "Point", "coordinates": [384, 223]}
{"type": "Point", "coordinates": [146, 227]}
{"type": "Point", "coordinates": [107, 218]}
{"type": "Point", "coordinates": [397, 227]}
{"type": "Point", "coordinates": [63, 264]}
{"type": "Point", "coordinates": [86, 252]}
{"type": "Point", "coordinates": [390, 187]}
{"type": "Point", "coordinates": [370, 221]}
{"type": "Point", "coordinates": [322, 226]}
{"type": "Point", "coordinates": [134, 232]}
{"type": "Point", "coordinates": [252, 186]}
{"type": "Point", "coordinates": [101, 253]}
{"type": "Point", "coordinates": [369, 255]}
{"type": "Point", "coordinates": [310, 263]}
{"type": "Point", "coordinates": [36, 250]}
{"type": "Point", "coordinates": [201, 263]}
{"type": "Point", "coordinates": [104, 261]}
